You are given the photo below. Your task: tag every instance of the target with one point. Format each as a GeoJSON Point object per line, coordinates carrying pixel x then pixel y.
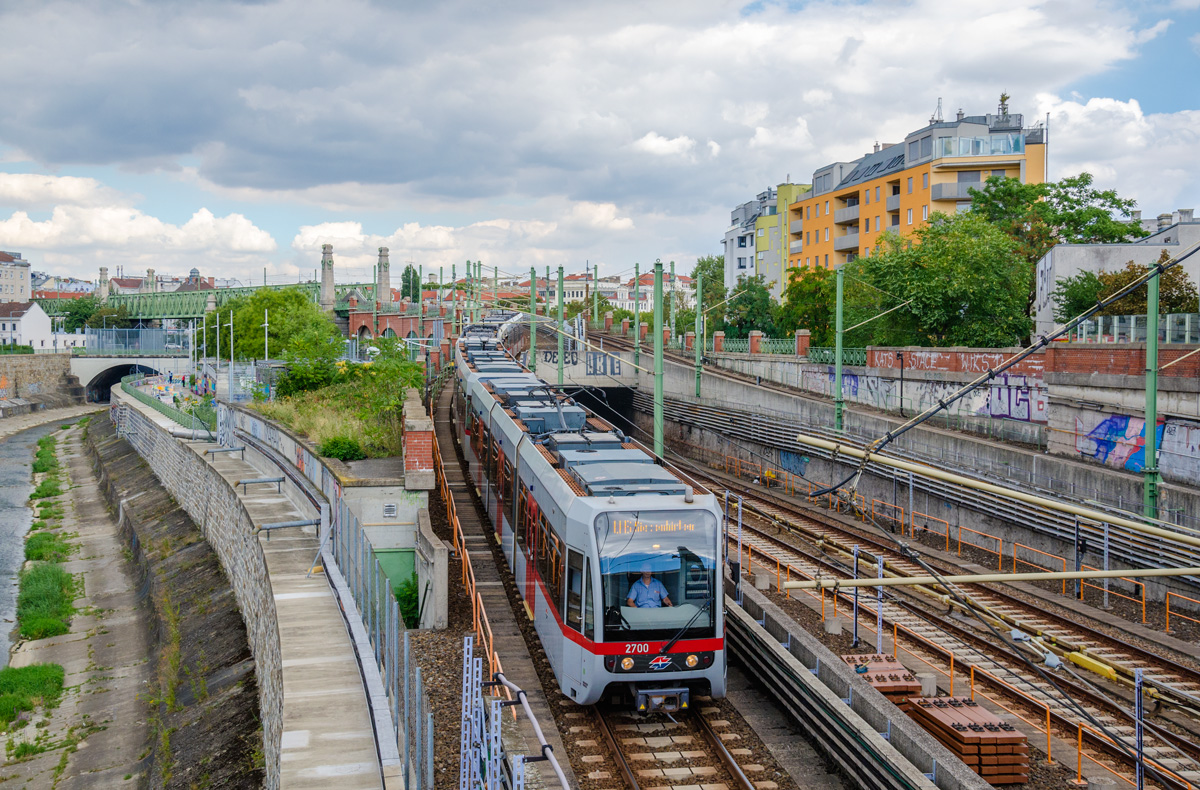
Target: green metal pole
{"type": "Point", "coordinates": [532, 320]}
{"type": "Point", "coordinates": [479, 279]}
{"type": "Point", "coordinates": [674, 328]}
{"type": "Point", "coordinates": [560, 326]}
{"type": "Point", "coordinates": [420, 299]}
{"type": "Point", "coordinates": [496, 287]}
{"type": "Point", "coordinates": [1150, 464]}
{"type": "Point", "coordinates": [698, 343]}
{"type": "Point", "coordinates": [596, 294]}
{"type": "Point", "coordinates": [637, 318]}
{"type": "Point", "coordinates": [837, 357]}
{"type": "Point", "coordinates": [658, 358]}
{"type": "Point", "coordinates": [454, 298]}
{"type": "Point", "coordinates": [470, 292]}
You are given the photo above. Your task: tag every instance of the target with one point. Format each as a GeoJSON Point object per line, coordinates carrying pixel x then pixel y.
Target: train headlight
{"type": "Point", "coordinates": [626, 663]}
{"type": "Point", "coordinates": [692, 660]}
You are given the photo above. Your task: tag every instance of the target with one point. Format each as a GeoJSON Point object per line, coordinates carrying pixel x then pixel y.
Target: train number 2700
{"type": "Point", "coordinates": [637, 647]}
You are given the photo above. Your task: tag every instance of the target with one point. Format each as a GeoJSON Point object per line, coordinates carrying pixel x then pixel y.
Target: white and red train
{"type": "Point", "coordinates": [581, 513]}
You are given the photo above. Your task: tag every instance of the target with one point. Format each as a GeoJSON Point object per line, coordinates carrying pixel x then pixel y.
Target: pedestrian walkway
{"type": "Point", "coordinates": [509, 642]}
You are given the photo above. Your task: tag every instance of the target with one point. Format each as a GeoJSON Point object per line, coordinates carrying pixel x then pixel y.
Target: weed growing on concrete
{"type": "Point", "coordinates": [47, 546]}
{"type": "Point", "coordinates": [47, 488]}
{"type": "Point", "coordinates": [50, 511]}
{"type": "Point", "coordinates": [44, 461]}
{"type": "Point", "coordinates": [408, 597]}
{"type": "Point", "coordinates": [44, 599]}
{"type": "Point", "coordinates": [24, 688]}
{"type": "Point", "coordinates": [85, 420]}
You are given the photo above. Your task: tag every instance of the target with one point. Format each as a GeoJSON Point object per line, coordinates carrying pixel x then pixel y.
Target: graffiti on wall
{"type": "Point", "coordinates": [1009, 397]}
{"type": "Point", "coordinates": [1119, 440]}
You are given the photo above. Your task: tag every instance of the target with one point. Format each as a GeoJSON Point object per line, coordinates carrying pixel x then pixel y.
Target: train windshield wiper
{"type": "Point", "coordinates": [667, 647]}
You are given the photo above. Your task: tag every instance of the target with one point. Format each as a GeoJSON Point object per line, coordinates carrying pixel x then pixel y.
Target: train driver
{"type": "Point", "coordinates": [648, 592]}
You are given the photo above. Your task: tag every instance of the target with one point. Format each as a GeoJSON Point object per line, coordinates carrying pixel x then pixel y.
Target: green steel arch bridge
{"type": "Point", "coordinates": [194, 304]}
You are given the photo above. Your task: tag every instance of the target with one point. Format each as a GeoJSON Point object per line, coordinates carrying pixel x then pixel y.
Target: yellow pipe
{"type": "Point", "coordinates": [1051, 504]}
{"type": "Point", "coordinates": [983, 578]}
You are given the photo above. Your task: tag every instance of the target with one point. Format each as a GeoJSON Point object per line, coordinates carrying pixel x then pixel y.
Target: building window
{"type": "Point", "coordinates": [913, 148]}
{"type": "Point", "coordinates": [876, 223]}
{"type": "Point", "coordinates": [867, 197]}
{"type": "Point", "coordinates": [926, 146]}
{"type": "Point", "coordinates": [808, 212]}
{"type": "Point", "coordinates": [924, 181]}
{"type": "Point", "coordinates": [910, 216]}
{"type": "Point", "coordinates": [826, 260]}
{"type": "Point", "coordinates": [807, 239]}
{"type": "Point", "coordinates": [818, 211]}
{"type": "Point", "coordinates": [741, 241]}
{"type": "Point", "coordinates": [827, 234]}
{"type": "Point", "coordinates": [807, 261]}
{"type": "Point", "coordinates": [925, 211]}
{"type": "Point", "coordinates": [910, 185]}
{"type": "Point", "coordinates": [826, 206]}
{"type": "Point", "coordinates": [876, 194]}
{"type": "Point", "coordinates": [895, 219]}
{"type": "Point", "coordinates": [760, 231]}
{"type": "Point", "coordinates": [741, 263]}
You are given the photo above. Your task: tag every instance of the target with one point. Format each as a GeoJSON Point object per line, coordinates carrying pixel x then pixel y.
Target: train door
{"type": "Point", "coordinates": [574, 654]}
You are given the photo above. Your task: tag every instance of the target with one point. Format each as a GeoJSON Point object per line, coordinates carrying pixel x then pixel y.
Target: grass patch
{"type": "Point", "coordinates": [44, 601]}
{"type": "Point", "coordinates": [35, 526]}
{"type": "Point", "coordinates": [85, 420]}
{"type": "Point", "coordinates": [47, 488]}
{"type": "Point", "coordinates": [66, 426]}
{"type": "Point", "coordinates": [45, 460]}
{"type": "Point", "coordinates": [50, 511]}
{"type": "Point", "coordinates": [24, 688]}
{"type": "Point", "coordinates": [47, 546]}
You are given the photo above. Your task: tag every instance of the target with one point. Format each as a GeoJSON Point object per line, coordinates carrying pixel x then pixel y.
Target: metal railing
{"type": "Point", "coordinates": [822, 355]}
{"type": "Point", "coordinates": [412, 716]}
{"type": "Point", "coordinates": [736, 345]}
{"type": "Point", "coordinates": [130, 384]}
{"type": "Point", "coordinates": [777, 345]}
{"type": "Point", "coordinates": [1172, 328]}
{"type": "Point", "coordinates": [137, 342]}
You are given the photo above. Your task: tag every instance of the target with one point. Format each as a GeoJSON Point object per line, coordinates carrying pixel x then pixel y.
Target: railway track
{"type": "Point", "coordinates": [933, 637]}
{"type": "Point", "coordinates": [661, 753]}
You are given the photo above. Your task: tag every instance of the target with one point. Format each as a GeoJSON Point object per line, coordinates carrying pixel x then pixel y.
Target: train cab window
{"type": "Point", "coordinates": [658, 574]}
{"type": "Point", "coordinates": [574, 602]}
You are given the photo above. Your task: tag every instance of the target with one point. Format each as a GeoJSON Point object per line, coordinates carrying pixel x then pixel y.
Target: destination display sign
{"type": "Point", "coordinates": [630, 525]}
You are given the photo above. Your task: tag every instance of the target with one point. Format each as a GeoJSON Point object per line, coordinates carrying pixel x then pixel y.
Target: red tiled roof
{"type": "Point", "coordinates": [60, 294]}
{"type": "Point", "coordinates": [126, 282]}
{"type": "Point", "coordinates": [14, 309]}
{"type": "Point", "coordinates": [6, 258]}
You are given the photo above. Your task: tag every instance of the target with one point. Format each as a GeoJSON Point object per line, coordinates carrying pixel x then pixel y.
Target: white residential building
{"type": "Point", "coordinates": [15, 284]}
{"type": "Point", "coordinates": [681, 287]}
{"type": "Point", "coordinates": [25, 324]}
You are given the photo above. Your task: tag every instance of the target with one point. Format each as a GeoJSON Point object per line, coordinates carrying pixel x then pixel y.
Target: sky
{"type": "Point", "coordinates": [238, 137]}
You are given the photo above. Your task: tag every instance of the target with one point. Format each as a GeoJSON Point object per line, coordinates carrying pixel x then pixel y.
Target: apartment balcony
{"type": "Point", "coordinates": [795, 246]}
{"type": "Point", "coordinates": [796, 226]}
{"type": "Point", "coordinates": [846, 243]}
{"type": "Point", "coordinates": [893, 202]}
{"type": "Point", "coordinates": [953, 191]}
{"type": "Point", "coordinates": [844, 216]}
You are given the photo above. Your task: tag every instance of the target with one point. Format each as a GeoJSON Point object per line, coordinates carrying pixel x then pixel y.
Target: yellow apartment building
{"type": "Point", "coordinates": [897, 186]}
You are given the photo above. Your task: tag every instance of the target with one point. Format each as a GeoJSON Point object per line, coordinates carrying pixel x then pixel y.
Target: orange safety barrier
{"type": "Point", "coordinates": [1177, 614]}
{"type": "Point", "coordinates": [998, 551]}
{"type": "Point", "coordinates": [887, 511]}
{"type": "Point", "coordinates": [1063, 560]}
{"type": "Point", "coordinates": [925, 519]}
{"type": "Point", "coordinates": [1141, 601]}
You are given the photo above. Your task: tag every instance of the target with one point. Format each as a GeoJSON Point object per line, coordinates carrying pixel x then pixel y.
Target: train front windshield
{"type": "Point", "coordinates": [658, 574]}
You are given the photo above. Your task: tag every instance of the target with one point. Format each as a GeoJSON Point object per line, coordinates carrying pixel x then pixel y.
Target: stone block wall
{"type": "Point", "coordinates": [40, 378]}
{"type": "Point", "coordinates": [216, 509]}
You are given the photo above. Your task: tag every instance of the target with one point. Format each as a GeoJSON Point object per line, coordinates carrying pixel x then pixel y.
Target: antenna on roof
{"type": "Point", "coordinates": [937, 114]}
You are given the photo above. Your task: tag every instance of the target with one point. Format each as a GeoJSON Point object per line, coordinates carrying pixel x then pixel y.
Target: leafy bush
{"type": "Point", "coordinates": [409, 598]}
{"type": "Point", "coordinates": [343, 448]}
{"type": "Point", "coordinates": [46, 488]}
{"type": "Point", "coordinates": [47, 546]}
{"type": "Point", "coordinates": [22, 688]}
{"type": "Point", "coordinates": [306, 376]}
{"type": "Point", "coordinates": [44, 601]}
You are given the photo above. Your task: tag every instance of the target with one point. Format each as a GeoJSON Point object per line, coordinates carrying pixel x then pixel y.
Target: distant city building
{"type": "Point", "coordinates": [682, 286]}
{"type": "Point", "coordinates": [15, 285]}
{"type": "Point", "coordinates": [1172, 232]}
{"type": "Point", "coordinates": [897, 186]}
{"type": "Point", "coordinates": [43, 282]}
{"type": "Point", "coordinates": [25, 324]}
{"type": "Point", "coordinates": [739, 241]}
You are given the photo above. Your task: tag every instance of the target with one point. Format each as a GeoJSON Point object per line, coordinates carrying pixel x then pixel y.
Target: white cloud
{"type": "Point", "coordinates": [714, 148]}
{"type": "Point", "coordinates": [29, 190]}
{"type": "Point", "coordinates": [654, 143]}
{"type": "Point", "coordinates": [783, 139]}
{"type": "Point", "coordinates": [817, 96]}
{"type": "Point", "coordinates": [1146, 157]}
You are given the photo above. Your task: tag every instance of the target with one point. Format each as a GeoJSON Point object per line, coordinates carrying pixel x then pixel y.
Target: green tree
{"type": "Point", "coordinates": [298, 327]}
{"type": "Point", "coordinates": [110, 318]}
{"type": "Point", "coordinates": [1074, 295]}
{"type": "Point", "coordinates": [1070, 211]}
{"type": "Point", "coordinates": [713, 269]}
{"type": "Point", "coordinates": [750, 308]}
{"type": "Point", "coordinates": [1176, 292]}
{"type": "Point", "coordinates": [78, 311]}
{"type": "Point", "coordinates": [410, 284]}
{"type": "Point", "coordinates": [963, 280]}
{"type": "Point", "coordinates": [808, 303]}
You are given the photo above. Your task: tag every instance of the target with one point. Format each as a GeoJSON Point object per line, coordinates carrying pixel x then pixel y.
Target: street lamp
{"type": "Point", "coordinates": [900, 356]}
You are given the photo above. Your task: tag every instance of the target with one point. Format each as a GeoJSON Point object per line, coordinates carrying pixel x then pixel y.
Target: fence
{"type": "Point", "coordinates": [1171, 595]}
{"type": "Point", "coordinates": [924, 527]}
{"type": "Point", "coordinates": [412, 719]}
{"type": "Point", "coordinates": [7, 349]}
{"type": "Point", "coordinates": [138, 342]}
{"type": "Point", "coordinates": [130, 384]}
{"type": "Point", "coordinates": [1172, 328]}
{"type": "Point", "coordinates": [736, 345]}
{"type": "Point", "coordinates": [1040, 553]}
{"type": "Point", "coordinates": [825, 356]}
{"type": "Point", "coordinates": [777, 345]}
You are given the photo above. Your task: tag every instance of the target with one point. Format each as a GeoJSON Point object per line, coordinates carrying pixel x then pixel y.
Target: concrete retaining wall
{"type": "Point", "coordinates": [29, 382]}
{"type": "Point", "coordinates": [214, 507]}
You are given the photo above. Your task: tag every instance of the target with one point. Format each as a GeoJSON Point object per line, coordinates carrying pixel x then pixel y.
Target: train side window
{"type": "Point", "coordinates": [508, 481]}
{"type": "Point", "coordinates": [588, 624]}
{"type": "Point", "coordinates": [574, 602]}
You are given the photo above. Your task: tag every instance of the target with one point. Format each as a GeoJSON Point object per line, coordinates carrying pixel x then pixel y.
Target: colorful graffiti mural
{"type": "Point", "coordinates": [1119, 440]}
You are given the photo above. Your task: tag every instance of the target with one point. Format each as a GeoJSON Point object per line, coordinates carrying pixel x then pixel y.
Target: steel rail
{"type": "Point", "coordinates": [731, 765]}
{"type": "Point", "coordinates": [617, 753]}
